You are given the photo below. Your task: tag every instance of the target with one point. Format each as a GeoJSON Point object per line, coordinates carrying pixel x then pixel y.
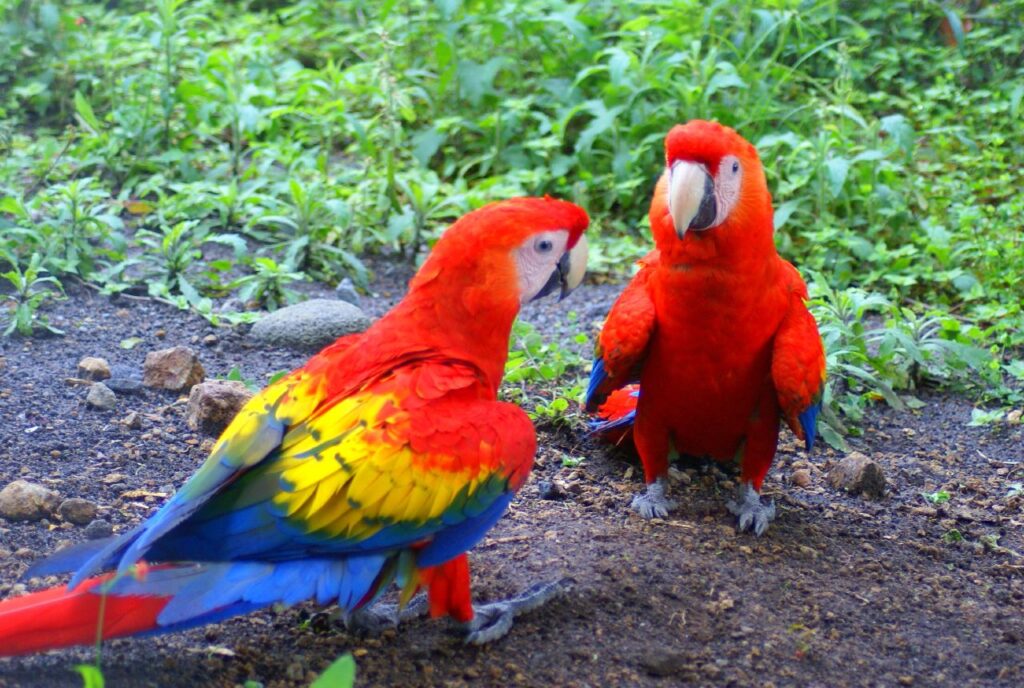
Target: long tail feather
{"type": "Point", "coordinates": [59, 617]}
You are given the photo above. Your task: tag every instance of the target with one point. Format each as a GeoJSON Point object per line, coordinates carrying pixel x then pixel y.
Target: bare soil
{"type": "Point", "coordinates": [841, 591]}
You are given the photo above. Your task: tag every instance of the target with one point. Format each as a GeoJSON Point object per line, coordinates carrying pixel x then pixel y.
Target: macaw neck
{"type": "Point", "coordinates": [472, 323]}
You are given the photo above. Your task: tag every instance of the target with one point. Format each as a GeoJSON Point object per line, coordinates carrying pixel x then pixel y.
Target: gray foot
{"type": "Point", "coordinates": [654, 502]}
{"type": "Point", "coordinates": [377, 618]}
{"type": "Point", "coordinates": [492, 621]}
{"type": "Point", "coordinates": [750, 510]}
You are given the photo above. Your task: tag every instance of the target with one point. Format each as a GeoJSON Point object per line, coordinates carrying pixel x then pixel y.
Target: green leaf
{"type": "Point", "coordinates": [955, 25]}
{"type": "Point", "coordinates": [85, 113]}
{"type": "Point", "coordinates": [837, 169]}
{"type": "Point", "coordinates": [897, 127]}
{"type": "Point", "coordinates": [130, 343]}
{"type": "Point", "coordinates": [92, 675]}
{"type": "Point", "coordinates": [340, 674]}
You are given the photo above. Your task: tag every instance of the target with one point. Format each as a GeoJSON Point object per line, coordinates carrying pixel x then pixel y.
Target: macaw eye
{"type": "Point", "coordinates": [735, 167]}
{"type": "Point", "coordinates": [544, 245]}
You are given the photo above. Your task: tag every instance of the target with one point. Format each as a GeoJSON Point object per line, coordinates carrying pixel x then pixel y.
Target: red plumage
{"type": "Point", "coordinates": [714, 326]}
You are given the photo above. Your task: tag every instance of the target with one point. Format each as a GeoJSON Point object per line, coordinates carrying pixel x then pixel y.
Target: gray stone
{"type": "Point", "coordinates": [346, 291]}
{"type": "Point", "coordinates": [857, 474]}
{"type": "Point", "coordinates": [98, 529]}
{"type": "Point", "coordinates": [92, 368]}
{"type": "Point", "coordinates": [212, 404]}
{"type": "Point", "coordinates": [25, 501]}
{"type": "Point", "coordinates": [176, 369]}
{"type": "Point", "coordinates": [100, 397]}
{"type": "Point", "coordinates": [77, 510]}
{"type": "Point", "coordinates": [310, 325]}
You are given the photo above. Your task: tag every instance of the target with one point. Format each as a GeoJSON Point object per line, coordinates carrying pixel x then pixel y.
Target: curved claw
{"type": "Point", "coordinates": [654, 502]}
{"type": "Point", "coordinates": [378, 618]}
{"type": "Point", "coordinates": [753, 514]}
{"type": "Point", "coordinates": [494, 620]}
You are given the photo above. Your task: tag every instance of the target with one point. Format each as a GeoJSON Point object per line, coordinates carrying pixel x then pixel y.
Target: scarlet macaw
{"type": "Point", "coordinates": [383, 459]}
{"type": "Point", "coordinates": [714, 327]}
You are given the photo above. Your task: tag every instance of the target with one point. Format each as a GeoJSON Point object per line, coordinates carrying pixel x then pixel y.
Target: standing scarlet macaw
{"type": "Point", "coordinates": [714, 327]}
{"type": "Point", "coordinates": [385, 458]}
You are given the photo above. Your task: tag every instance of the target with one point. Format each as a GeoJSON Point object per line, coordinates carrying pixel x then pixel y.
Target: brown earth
{"type": "Point", "coordinates": [841, 591]}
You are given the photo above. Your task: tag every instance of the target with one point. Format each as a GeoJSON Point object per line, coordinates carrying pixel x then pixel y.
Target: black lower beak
{"type": "Point", "coordinates": [708, 210]}
{"type": "Point", "coordinates": [557, 280]}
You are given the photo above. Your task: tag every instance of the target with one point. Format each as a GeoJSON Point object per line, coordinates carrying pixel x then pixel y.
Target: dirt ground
{"type": "Point", "coordinates": [841, 591]}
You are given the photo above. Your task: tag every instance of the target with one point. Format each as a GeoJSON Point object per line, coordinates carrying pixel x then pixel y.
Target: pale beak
{"type": "Point", "coordinates": [691, 197]}
{"type": "Point", "coordinates": [569, 272]}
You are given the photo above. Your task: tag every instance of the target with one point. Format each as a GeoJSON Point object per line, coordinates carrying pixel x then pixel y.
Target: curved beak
{"type": "Point", "coordinates": [691, 197]}
{"type": "Point", "coordinates": [569, 272]}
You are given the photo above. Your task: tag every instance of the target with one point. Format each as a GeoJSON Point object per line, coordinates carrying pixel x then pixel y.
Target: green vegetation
{"type": "Point", "coordinates": [190, 150]}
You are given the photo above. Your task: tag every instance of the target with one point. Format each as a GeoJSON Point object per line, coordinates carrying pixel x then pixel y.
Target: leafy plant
{"type": "Point", "coordinates": [267, 286]}
{"type": "Point", "coordinates": [32, 287]}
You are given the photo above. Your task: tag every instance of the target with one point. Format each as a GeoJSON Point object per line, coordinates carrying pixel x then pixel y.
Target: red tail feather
{"type": "Point", "coordinates": [58, 617]}
{"type": "Point", "coordinates": [448, 589]}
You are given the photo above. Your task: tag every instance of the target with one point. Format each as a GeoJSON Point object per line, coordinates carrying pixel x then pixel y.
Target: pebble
{"type": "Point", "coordinates": [98, 529]}
{"type": "Point", "coordinates": [176, 369]}
{"type": "Point", "coordinates": [124, 380]}
{"type": "Point", "coordinates": [346, 291]}
{"type": "Point", "coordinates": [92, 368]}
{"type": "Point", "coordinates": [210, 340]}
{"type": "Point", "coordinates": [100, 397]}
{"type": "Point", "coordinates": [212, 404]}
{"type": "Point", "coordinates": [25, 501]}
{"type": "Point", "coordinates": [77, 510]}
{"type": "Point", "coordinates": [547, 489]}
{"type": "Point", "coordinates": [132, 421]}
{"type": "Point", "coordinates": [801, 478]}
{"type": "Point", "coordinates": [857, 474]}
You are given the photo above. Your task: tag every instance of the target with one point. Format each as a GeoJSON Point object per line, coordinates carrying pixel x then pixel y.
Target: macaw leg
{"type": "Point", "coordinates": [653, 446]}
{"type": "Point", "coordinates": [750, 510]}
{"type": "Point", "coordinates": [379, 617]}
{"type": "Point", "coordinates": [494, 620]}
{"type": "Point", "coordinates": [756, 457]}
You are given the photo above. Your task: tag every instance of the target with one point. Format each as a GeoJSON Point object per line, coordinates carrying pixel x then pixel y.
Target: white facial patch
{"type": "Point", "coordinates": [537, 259]}
{"type": "Point", "coordinates": [727, 186]}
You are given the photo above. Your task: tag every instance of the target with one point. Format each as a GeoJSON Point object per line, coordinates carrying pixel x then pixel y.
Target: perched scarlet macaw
{"type": "Point", "coordinates": [385, 458]}
{"type": "Point", "coordinates": [714, 327]}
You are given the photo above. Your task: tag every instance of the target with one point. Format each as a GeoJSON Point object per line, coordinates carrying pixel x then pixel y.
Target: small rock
{"type": "Point", "coordinates": [77, 510]}
{"type": "Point", "coordinates": [98, 529]}
{"type": "Point", "coordinates": [113, 478]}
{"type": "Point", "coordinates": [160, 334]}
{"type": "Point", "coordinates": [858, 474]}
{"type": "Point", "coordinates": [210, 340]}
{"type": "Point", "coordinates": [124, 380]}
{"type": "Point", "coordinates": [132, 421]}
{"type": "Point", "coordinates": [664, 662]}
{"type": "Point", "coordinates": [231, 305]}
{"type": "Point", "coordinates": [547, 489]}
{"type": "Point", "coordinates": [346, 291]}
{"type": "Point", "coordinates": [801, 478]}
{"type": "Point", "coordinates": [212, 404]}
{"type": "Point", "coordinates": [91, 368]}
{"type": "Point", "coordinates": [100, 397]}
{"type": "Point", "coordinates": [175, 369]}
{"type": "Point", "coordinates": [25, 501]}
{"type": "Point", "coordinates": [310, 325]}
{"type": "Point", "coordinates": [1013, 417]}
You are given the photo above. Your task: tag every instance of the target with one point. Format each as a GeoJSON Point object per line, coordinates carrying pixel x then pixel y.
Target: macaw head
{"type": "Point", "coordinates": [510, 251]}
{"type": "Point", "coordinates": [712, 199]}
